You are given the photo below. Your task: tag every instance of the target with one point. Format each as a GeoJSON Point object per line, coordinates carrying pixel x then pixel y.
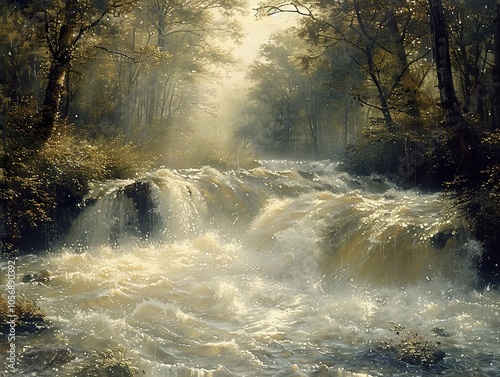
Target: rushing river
{"type": "Point", "coordinates": [287, 269]}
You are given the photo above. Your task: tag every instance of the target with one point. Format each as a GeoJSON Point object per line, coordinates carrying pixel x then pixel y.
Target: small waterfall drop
{"type": "Point", "coordinates": [363, 228]}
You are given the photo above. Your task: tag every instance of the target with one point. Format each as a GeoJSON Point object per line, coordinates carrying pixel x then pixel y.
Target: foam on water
{"type": "Point", "coordinates": [285, 270]}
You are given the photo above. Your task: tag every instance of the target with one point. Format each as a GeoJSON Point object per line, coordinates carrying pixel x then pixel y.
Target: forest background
{"type": "Point", "coordinates": [104, 89]}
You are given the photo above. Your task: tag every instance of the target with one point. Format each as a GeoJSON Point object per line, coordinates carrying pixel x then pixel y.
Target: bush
{"type": "Point", "coordinates": [401, 156]}
{"type": "Point", "coordinates": [43, 188]}
{"type": "Point", "coordinates": [477, 198]}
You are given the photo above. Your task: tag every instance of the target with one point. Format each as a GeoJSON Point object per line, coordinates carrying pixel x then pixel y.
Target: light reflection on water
{"type": "Point", "coordinates": [303, 283]}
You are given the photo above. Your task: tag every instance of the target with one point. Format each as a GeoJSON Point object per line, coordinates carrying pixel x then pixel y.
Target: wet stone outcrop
{"type": "Point", "coordinates": [28, 317]}
{"type": "Point", "coordinates": [110, 363]}
{"type": "Point", "coordinates": [24, 229]}
{"type": "Point", "coordinates": [37, 236]}
{"type": "Point", "coordinates": [148, 219]}
{"type": "Point", "coordinates": [40, 277]}
{"type": "Point", "coordinates": [44, 361]}
{"type": "Point", "coordinates": [412, 348]}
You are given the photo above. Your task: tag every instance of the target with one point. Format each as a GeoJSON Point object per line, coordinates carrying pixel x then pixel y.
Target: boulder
{"type": "Point", "coordinates": [41, 277]}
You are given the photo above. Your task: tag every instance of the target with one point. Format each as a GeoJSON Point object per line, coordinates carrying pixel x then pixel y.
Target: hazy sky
{"type": "Point", "coordinates": [230, 93]}
{"type": "Point", "coordinates": [258, 30]}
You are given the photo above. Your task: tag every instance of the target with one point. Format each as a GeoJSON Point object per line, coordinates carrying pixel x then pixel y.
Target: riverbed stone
{"type": "Point", "coordinates": [41, 359]}
{"type": "Point", "coordinates": [29, 317]}
{"type": "Point", "coordinates": [414, 349]}
{"type": "Point", "coordinates": [41, 277]}
{"type": "Point", "coordinates": [148, 219]}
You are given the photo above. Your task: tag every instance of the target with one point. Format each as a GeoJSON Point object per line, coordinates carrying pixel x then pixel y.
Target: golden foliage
{"type": "Point", "coordinates": [40, 184]}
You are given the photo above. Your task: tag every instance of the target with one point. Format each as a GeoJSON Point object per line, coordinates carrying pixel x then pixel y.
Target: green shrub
{"type": "Point", "coordinates": [400, 155]}
{"type": "Point", "coordinates": [477, 198]}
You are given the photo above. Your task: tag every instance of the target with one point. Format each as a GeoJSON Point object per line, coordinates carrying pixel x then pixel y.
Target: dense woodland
{"type": "Point", "coordinates": [95, 90]}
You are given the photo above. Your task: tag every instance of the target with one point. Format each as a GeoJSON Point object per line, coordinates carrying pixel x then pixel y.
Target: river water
{"type": "Point", "coordinates": [287, 269]}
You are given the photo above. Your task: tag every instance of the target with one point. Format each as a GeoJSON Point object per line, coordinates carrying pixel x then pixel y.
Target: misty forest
{"type": "Point", "coordinates": [240, 188]}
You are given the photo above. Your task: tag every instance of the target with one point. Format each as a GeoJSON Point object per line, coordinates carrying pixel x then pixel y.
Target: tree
{"type": "Point", "coordinates": [381, 38]}
{"type": "Point", "coordinates": [496, 68]}
{"type": "Point", "coordinates": [449, 102]}
{"type": "Point", "coordinates": [292, 97]}
{"type": "Point", "coordinates": [64, 26]}
{"type": "Point", "coordinates": [276, 91]}
{"type": "Point", "coordinates": [19, 56]}
{"type": "Point", "coordinates": [316, 97]}
{"type": "Point", "coordinates": [470, 25]}
{"type": "Point", "coordinates": [191, 32]}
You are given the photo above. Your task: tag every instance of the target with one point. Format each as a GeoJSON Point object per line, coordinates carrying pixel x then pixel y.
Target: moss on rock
{"type": "Point", "coordinates": [413, 348]}
{"type": "Point", "coordinates": [27, 316]}
{"type": "Point", "coordinates": [110, 363]}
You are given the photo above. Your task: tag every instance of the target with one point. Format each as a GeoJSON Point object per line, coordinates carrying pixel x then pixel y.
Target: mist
{"type": "Point", "coordinates": [181, 83]}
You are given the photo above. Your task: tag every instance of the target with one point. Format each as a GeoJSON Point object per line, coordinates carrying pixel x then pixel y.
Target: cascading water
{"type": "Point", "coordinates": [288, 269]}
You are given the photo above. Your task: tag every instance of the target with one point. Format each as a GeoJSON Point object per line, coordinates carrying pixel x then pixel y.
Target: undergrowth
{"type": "Point", "coordinates": [42, 189]}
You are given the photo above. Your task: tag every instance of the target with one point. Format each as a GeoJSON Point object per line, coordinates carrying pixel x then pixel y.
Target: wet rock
{"type": "Point", "coordinates": [439, 239]}
{"type": "Point", "coordinates": [439, 331]}
{"type": "Point", "coordinates": [111, 363]}
{"type": "Point", "coordinates": [414, 349]}
{"type": "Point", "coordinates": [37, 360]}
{"type": "Point", "coordinates": [42, 277]}
{"type": "Point", "coordinates": [147, 217]}
{"type": "Point", "coordinates": [421, 357]}
{"type": "Point", "coordinates": [24, 317]}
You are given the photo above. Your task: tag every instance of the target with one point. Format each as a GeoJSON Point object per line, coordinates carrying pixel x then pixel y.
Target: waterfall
{"type": "Point", "coordinates": [287, 269]}
{"type": "Point", "coordinates": [363, 228]}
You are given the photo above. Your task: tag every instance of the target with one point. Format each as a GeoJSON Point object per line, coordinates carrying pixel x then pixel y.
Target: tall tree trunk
{"type": "Point", "coordinates": [467, 83]}
{"type": "Point", "coordinates": [384, 103]}
{"type": "Point", "coordinates": [372, 70]}
{"type": "Point", "coordinates": [449, 102]}
{"type": "Point", "coordinates": [404, 79]}
{"type": "Point", "coordinates": [53, 98]}
{"type": "Point", "coordinates": [61, 58]}
{"type": "Point", "coordinates": [154, 90]}
{"type": "Point", "coordinates": [346, 120]}
{"type": "Point", "coordinates": [463, 148]}
{"type": "Point", "coordinates": [496, 70]}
